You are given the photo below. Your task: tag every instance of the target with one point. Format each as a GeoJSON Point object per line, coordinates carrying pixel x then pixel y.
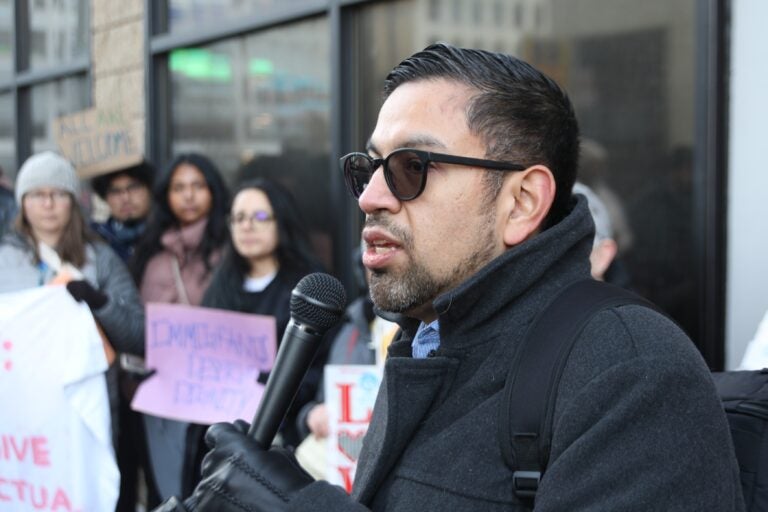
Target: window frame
{"type": "Point", "coordinates": [23, 79]}
{"type": "Point", "coordinates": [710, 126]}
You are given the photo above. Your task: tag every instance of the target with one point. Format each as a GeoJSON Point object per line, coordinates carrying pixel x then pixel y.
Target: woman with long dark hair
{"type": "Point", "coordinates": [173, 263]}
{"type": "Point", "coordinates": [188, 223]}
{"type": "Point", "coordinates": [266, 256]}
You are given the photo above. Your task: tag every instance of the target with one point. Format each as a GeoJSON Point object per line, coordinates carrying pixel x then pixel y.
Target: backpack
{"type": "Point", "coordinates": [745, 399]}
{"type": "Point", "coordinates": [528, 400]}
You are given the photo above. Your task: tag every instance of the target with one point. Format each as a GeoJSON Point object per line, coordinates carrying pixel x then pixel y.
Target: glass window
{"type": "Point", "coordinates": [477, 13]}
{"type": "Point", "coordinates": [52, 100]}
{"type": "Point", "coordinates": [6, 40]}
{"type": "Point", "coordinates": [7, 147]}
{"type": "Point", "coordinates": [259, 106]}
{"type": "Point", "coordinates": [456, 11]}
{"type": "Point", "coordinates": [59, 31]}
{"type": "Point", "coordinates": [629, 68]}
{"type": "Point", "coordinates": [518, 16]}
{"type": "Point", "coordinates": [498, 12]}
{"type": "Point", "coordinates": [434, 9]}
{"type": "Point", "coordinates": [184, 15]}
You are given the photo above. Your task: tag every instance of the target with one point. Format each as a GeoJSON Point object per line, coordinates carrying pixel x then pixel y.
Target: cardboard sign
{"type": "Point", "coordinates": [207, 363]}
{"type": "Point", "coordinates": [98, 141]}
{"type": "Point", "coordinates": [350, 392]}
{"type": "Point", "coordinates": [55, 430]}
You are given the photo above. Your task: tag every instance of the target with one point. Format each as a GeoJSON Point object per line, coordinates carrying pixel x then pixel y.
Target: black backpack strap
{"type": "Point", "coordinates": [528, 401]}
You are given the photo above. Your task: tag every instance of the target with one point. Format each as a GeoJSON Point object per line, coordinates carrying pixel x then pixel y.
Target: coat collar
{"type": "Point", "coordinates": [562, 250]}
{"type": "Point", "coordinates": [530, 272]}
{"type": "Point", "coordinates": [547, 261]}
{"type": "Point", "coordinates": [474, 312]}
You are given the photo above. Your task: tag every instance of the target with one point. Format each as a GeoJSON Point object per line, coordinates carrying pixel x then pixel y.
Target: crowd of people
{"type": "Point", "coordinates": [467, 142]}
{"type": "Point", "coordinates": [171, 237]}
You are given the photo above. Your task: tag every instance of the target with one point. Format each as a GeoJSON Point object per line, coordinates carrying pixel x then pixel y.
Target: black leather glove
{"type": "Point", "coordinates": [239, 475]}
{"type": "Point", "coordinates": [82, 291]}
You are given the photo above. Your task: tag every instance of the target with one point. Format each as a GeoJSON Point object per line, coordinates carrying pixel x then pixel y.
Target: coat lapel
{"type": "Point", "coordinates": [410, 389]}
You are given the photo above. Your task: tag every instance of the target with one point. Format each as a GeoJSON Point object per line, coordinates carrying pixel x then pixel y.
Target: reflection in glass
{"type": "Point", "coordinates": [185, 15]}
{"type": "Point", "coordinates": [259, 105]}
{"type": "Point", "coordinates": [52, 100]}
{"type": "Point", "coordinates": [629, 69]}
{"type": "Point", "coordinates": [7, 149]}
{"type": "Point", "coordinates": [6, 40]}
{"type": "Point", "coordinates": [59, 31]}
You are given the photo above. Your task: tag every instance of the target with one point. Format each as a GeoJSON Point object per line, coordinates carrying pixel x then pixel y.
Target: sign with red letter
{"type": "Point", "coordinates": [350, 392]}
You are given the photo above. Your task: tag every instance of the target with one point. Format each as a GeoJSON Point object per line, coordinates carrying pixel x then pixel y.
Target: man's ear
{"type": "Point", "coordinates": [528, 196]}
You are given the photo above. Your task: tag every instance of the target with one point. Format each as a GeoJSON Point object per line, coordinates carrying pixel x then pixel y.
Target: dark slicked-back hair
{"type": "Point", "coordinates": [521, 114]}
{"type": "Point", "coordinates": [161, 217]}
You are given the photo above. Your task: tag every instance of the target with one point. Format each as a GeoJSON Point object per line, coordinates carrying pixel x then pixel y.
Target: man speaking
{"type": "Point", "coordinates": [470, 231]}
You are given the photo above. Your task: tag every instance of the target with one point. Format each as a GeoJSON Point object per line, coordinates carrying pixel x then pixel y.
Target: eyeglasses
{"type": "Point", "coordinates": [40, 196]}
{"type": "Point", "coordinates": [132, 188]}
{"type": "Point", "coordinates": [258, 218]}
{"type": "Point", "coordinates": [405, 170]}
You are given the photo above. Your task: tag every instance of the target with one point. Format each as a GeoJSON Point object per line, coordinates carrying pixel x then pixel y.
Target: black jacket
{"type": "Point", "coordinates": [637, 426]}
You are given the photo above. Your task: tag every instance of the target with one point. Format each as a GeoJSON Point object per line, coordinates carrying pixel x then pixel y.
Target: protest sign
{"type": "Point", "coordinates": [350, 392]}
{"type": "Point", "coordinates": [98, 141]}
{"type": "Point", "coordinates": [207, 363]}
{"type": "Point", "coordinates": [55, 432]}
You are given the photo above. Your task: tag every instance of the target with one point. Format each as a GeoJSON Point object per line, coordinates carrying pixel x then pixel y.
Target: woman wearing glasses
{"type": "Point", "coordinates": [52, 244]}
{"type": "Point", "coordinates": [173, 263]}
{"type": "Point", "coordinates": [266, 256]}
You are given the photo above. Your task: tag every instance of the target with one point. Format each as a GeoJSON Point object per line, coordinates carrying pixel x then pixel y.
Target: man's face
{"type": "Point", "coordinates": [419, 249]}
{"type": "Point", "coordinates": [128, 198]}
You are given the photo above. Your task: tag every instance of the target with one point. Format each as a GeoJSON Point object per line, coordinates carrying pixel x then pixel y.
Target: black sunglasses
{"type": "Point", "coordinates": [405, 170]}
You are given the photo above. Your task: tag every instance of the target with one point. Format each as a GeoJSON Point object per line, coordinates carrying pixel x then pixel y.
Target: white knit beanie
{"type": "Point", "coordinates": [46, 169]}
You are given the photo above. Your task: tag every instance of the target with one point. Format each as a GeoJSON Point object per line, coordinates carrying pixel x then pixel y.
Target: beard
{"type": "Point", "coordinates": [401, 291]}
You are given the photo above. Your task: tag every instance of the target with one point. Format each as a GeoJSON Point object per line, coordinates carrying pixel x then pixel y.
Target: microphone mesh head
{"type": "Point", "coordinates": [318, 300]}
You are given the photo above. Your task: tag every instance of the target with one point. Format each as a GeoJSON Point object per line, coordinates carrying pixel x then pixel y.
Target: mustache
{"type": "Point", "coordinates": [378, 220]}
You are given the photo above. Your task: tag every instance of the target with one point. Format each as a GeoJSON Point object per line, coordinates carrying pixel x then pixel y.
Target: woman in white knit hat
{"type": "Point", "coordinates": [51, 243]}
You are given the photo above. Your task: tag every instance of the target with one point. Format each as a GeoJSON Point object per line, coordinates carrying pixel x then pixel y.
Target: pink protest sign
{"type": "Point", "coordinates": [207, 363]}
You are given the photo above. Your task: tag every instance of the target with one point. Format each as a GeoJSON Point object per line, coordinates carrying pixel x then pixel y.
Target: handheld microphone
{"type": "Point", "coordinates": [317, 303]}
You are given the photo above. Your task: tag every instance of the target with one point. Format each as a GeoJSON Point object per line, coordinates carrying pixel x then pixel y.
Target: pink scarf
{"type": "Point", "coordinates": [158, 283]}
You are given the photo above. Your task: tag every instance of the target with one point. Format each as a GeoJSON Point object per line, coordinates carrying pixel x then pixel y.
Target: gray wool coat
{"type": "Point", "coordinates": [637, 427]}
{"type": "Point", "coordinates": [122, 317]}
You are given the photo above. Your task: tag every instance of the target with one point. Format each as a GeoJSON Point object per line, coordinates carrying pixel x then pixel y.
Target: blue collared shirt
{"type": "Point", "coordinates": [426, 340]}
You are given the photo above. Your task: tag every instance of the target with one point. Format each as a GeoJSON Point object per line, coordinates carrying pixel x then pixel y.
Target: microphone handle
{"type": "Point", "coordinates": [297, 350]}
